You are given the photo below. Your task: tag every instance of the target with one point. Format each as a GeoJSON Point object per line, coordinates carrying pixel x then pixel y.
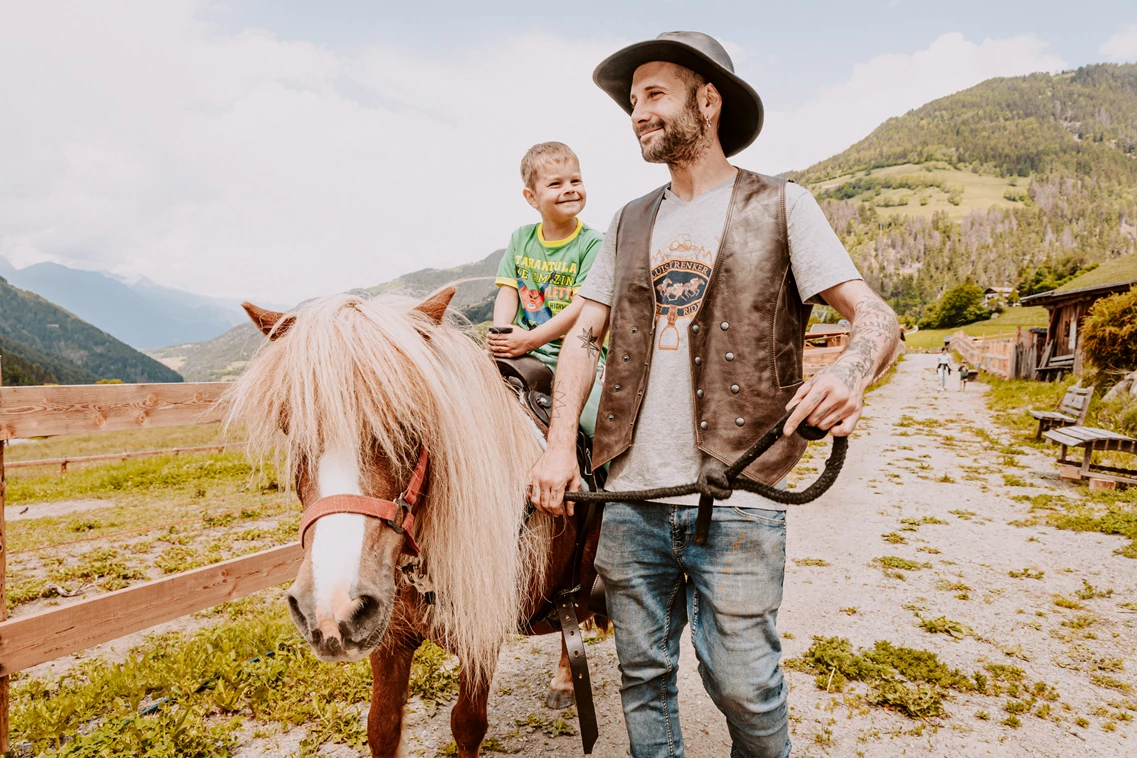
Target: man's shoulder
{"type": "Point", "coordinates": [646, 199]}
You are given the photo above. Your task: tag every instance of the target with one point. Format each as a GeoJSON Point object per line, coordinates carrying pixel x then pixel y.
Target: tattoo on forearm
{"type": "Point", "coordinates": [589, 340]}
{"type": "Point", "coordinates": [872, 342]}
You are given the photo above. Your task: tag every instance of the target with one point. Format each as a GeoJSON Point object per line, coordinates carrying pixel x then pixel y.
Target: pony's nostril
{"type": "Point", "coordinates": [368, 610]}
{"type": "Point", "coordinates": [298, 616]}
{"type": "Point", "coordinates": [317, 636]}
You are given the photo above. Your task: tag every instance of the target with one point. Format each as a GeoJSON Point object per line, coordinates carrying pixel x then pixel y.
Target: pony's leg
{"type": "Point", "coordinates": [390, 672]}
{"type": "Point", "coordinates": [468, 721]}
{"type": "Point", "coordinates": [560, 689]}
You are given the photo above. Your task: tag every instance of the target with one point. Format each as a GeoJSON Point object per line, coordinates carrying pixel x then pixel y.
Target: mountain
{"type": "Point", "coordinates": [476, 289]}
{"type": "Point", "coordinates": [223, 358]}
{"type": "Point", "coordinates": [142, 314]}
{"type": "Point", "coordinates": [32, 321]}
{"type": "Point", "coordinates": [1012, 180]}
{"type": "Point", "coordinates": [23, 366]}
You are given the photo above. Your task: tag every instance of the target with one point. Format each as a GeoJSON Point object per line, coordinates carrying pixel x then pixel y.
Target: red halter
{"type": "Point", "coordinates": [395, 513]}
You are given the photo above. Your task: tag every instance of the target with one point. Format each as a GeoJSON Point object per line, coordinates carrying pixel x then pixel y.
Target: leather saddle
{"type": "Point", "coordinates": [532, 380]}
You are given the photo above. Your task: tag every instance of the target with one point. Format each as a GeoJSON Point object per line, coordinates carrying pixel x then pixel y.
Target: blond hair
{"type": "Point", "coordinates": [542, 154]}
{"type": "Point", "coordinates": [377, 376]}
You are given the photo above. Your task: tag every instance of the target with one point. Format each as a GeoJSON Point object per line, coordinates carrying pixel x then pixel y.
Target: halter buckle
{"type": "Point", "coordinates": [402, 508]}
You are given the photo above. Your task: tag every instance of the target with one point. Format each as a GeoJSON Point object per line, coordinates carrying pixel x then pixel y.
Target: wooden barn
{"type": "Point", "coordinates": [1068, 305]}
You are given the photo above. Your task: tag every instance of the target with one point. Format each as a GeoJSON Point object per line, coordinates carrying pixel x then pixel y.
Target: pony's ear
{"type": "Point", "coordinates": [267, 320]}
{"type": "Point", "coordinates": [435, 306]}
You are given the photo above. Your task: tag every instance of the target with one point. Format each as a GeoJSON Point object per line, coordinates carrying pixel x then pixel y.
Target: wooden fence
{"type": "Point", "coordinates": [1012, 355]}
{"type": "Point", "coordinates": [50, 634]}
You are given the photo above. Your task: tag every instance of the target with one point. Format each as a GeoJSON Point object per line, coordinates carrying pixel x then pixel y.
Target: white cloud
{"type": "Point", "coordinates": [136, 138]}
{"type": "Point", "coordinates": [886, 86]}
{"type": "Point", "coordinates": [1121, 47]}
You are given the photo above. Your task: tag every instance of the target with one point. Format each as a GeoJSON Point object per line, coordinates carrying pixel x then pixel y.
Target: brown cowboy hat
{"type": "Point", "coordinates": [741, 117]}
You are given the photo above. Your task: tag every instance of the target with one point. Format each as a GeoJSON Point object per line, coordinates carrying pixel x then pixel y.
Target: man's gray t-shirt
{"type": "Point", "coordinates": [684, 244]}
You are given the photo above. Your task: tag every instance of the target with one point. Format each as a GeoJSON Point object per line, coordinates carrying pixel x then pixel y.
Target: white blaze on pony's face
{"type": "Point", "coordinates": [337, 541]}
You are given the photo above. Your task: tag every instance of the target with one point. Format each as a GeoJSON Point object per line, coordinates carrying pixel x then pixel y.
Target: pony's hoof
{"type": "Point", "coordinates": [558, 699]}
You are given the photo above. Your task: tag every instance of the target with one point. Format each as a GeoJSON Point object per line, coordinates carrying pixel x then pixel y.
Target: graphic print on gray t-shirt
{"type": "Point", "coordinates": [684, 245]}
{"type": "Point", "coordinates": [680, 273]}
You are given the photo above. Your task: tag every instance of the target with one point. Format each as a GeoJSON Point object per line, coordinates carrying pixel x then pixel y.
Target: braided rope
{"type": "Point", "coordinates": [720, 485]}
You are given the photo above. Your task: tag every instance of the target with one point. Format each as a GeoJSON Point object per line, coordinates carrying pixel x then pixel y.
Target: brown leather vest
{"type": "Point", "coordinates": [746, 342]}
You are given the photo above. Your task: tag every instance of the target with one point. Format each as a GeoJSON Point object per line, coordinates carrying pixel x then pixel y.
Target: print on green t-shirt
{"type": "Point", "coordinates": [546, 275]}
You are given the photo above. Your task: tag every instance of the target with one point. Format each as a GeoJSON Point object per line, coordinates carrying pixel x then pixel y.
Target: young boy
{"type": "Point", "coordinates": [545, 264]}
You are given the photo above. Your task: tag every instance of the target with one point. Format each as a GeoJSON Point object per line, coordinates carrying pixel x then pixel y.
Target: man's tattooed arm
{"type": "Point", "coordinates": [589, 340]}
{"type": "Point", "coordinates": [872, 343]}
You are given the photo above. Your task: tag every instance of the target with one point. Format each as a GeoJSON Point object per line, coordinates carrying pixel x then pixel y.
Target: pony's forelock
{"type": "Point", "coordinates": [375, 375]}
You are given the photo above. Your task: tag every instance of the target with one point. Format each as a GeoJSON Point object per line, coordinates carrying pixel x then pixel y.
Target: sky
{"type": "Point", "coordinates": [281, 150]}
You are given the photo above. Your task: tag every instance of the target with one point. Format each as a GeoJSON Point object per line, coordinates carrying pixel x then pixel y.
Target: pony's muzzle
{"type": "Point", "coordinates": [348, 633]}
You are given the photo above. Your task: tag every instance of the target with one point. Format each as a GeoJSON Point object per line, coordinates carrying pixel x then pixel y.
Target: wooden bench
{"type": "Point", "coordinates": [1092, 441]}
{"type": "Point", "coordinates": [1071, 411]}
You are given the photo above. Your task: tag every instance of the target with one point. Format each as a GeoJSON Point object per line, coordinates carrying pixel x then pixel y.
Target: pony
{"type": "Point", "coordinates": [345, 396]}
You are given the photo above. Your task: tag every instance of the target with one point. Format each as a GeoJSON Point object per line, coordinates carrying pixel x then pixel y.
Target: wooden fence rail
{"type": "Point", "coordinates": [40, 637]}
{"type": "Point", "coordinates": [81, 409]}
{"type": "Point", "coordinates": [63, 463]}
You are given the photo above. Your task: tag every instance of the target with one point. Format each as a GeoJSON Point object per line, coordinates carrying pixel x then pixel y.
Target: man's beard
{"type": "Point", "coordinates": [683, 138]}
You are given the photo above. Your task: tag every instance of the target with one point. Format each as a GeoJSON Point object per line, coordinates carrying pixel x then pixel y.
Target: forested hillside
{"type": "Point", "coordinates": [42, 326]}
{"type": "Point", "coordinates": [1030, 178]}
{"type": "Point", "coordinates": [24, 365]}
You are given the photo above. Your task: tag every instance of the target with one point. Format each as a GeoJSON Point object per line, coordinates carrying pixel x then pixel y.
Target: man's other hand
{"type": "Point", "coordinates": [554, 474]}
{"type": "Point", "coordinates": [832, 399]}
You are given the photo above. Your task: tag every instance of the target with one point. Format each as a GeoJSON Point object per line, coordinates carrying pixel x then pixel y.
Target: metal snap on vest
{"type": "Point", "coordinates": [617, 388]}
{"type": "Point", "coordinates": [703, 425]}
{"type": "Point", "coordinates": [733, 388]}
{"type": "Point", "coordinates": [724, 326]}
{"type": "Point", "coordinates": [699, 393]}
{"type": "Point", "coordinates": [730, 356]}
{"type": "Point", "coordinates": [695, 328]}
{"type": "Point", "coordinates": [633, 330]}
{"type": "Point", "coordinates": [698, 361]}
{"type": "Point", "coordinates": [627, 357]}
{"type": "Point", "coordinates": [611, 416]}
{"type": "Point", "coordinates": [739, 421]}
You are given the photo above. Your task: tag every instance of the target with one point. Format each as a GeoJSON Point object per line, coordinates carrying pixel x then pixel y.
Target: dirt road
{"type": "Point", "coordinates": [928, 456]}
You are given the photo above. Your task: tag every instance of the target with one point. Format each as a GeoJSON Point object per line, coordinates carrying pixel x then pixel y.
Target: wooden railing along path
{"type": "Point", "coordinates": [82, 409]}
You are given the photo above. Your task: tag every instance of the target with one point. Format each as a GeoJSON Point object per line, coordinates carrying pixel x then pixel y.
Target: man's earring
{"type": "Point", "coordinates": [708, 118]}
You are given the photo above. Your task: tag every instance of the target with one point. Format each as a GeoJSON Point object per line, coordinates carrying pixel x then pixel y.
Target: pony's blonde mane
{"type": "Point", "coordinates": [375, 374]}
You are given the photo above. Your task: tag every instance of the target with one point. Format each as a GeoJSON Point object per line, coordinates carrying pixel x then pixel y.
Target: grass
{"type": "Point", "coordinates": [1007, 321]}
{"type": "Point", "coordinates": [114, 442]}
{"type": "Point", "coordinates": [911, 681]}
{"type": "Point", "coordinates": [976, 191]}
{"type": "Point", "coordinates": [901, 564]}
{"type": "Point", "coordinates": [249, 665]}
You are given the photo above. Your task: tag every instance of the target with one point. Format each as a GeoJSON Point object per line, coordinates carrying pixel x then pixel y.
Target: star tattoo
{"type": "Point", "coordinates": [589, 340]}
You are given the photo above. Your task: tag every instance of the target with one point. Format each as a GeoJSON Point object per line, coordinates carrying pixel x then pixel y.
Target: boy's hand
{"type": "Point", "coordinates": [509, 345]}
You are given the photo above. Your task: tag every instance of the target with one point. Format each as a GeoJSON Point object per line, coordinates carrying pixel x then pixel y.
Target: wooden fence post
{"type": "Point", "coordinates": [4, 746]}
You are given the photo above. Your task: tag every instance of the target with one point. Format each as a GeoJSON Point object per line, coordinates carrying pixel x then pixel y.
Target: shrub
{"type": "Point", "coordinates": [1109, 333]}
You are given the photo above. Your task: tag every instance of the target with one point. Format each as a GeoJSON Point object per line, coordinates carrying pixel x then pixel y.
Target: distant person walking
{"type": "Point", "coordinates": [964, 375]}
{"type": "Point", "coordinates": [943, 368]}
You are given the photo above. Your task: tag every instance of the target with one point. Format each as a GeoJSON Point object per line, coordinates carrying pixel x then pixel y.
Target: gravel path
{"type": "Point", "coordinates": [913, 435]}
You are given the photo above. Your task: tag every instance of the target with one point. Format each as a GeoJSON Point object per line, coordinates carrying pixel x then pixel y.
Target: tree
{"type": "Point", "coordinates": [960, 305]}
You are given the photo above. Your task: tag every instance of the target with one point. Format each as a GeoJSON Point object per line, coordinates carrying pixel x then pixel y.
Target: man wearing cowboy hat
{"type": "Point", "coordinates": [707, 284]}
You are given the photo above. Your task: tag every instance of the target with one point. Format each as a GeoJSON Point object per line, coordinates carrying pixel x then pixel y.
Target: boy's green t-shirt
{"type": "Point", "coordinates": [546, 275]}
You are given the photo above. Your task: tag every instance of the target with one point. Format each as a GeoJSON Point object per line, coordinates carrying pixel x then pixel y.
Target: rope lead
{"type": "Point", "coordinates": [720, 484]}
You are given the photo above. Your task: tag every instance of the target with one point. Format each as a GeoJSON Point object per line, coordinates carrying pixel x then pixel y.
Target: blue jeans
{"type": "Point", "coordinates": [657, 580]}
